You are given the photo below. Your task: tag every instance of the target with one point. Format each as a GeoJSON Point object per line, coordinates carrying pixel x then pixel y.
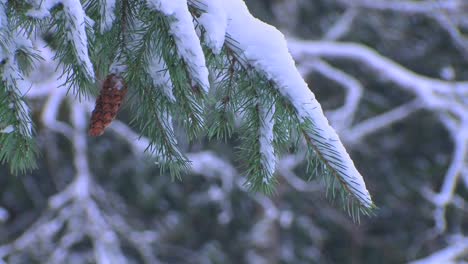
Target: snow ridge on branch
{"type": "Point", "coordinates": [76, 24]}
{"type": "Point", "coordinates": [265, 48]}
{"type": "Point", "coordinates": [185, 36]}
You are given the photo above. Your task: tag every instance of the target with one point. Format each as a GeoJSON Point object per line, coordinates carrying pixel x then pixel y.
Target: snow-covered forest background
{"type": "Point", "coordinates": [392, 79]}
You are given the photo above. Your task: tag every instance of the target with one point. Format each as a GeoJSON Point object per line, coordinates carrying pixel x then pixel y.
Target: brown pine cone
{"type": "Point", "coordinates": [107, 104]}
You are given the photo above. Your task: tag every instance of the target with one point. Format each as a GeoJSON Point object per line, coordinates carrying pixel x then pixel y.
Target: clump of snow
{"type": "Point", "coordinates": [76, 22]}
{"type": "Point", "coordinates": [167, 7]}
{"type": "Point", "coordinates": [15, 83]}
{"type": "Point", "coordinates": [25, 130]}
{"type": "Point", "coordinates": [107, 10]}
{"type": "Point", "coordinates": [186, 38]}
{"type": "Point", "coordinates": [8, 129]}
{"type": "Point", "coordinates": [157, 69]}
{"type": "Point", "coordinates": [267, 150]}
{"type": "Point", "coordinates": [4, 215]}
{"type": "Point", "coordinates": [42, 8]}
{"type": "Point", "coordinates": [3, 16]}
{"type": "Point", "coordinates": [214, 21]}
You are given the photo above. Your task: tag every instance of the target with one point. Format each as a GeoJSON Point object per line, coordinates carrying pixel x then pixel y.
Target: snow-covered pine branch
{"type": "Point", "coordinates": [68, 22]}
{"type": "Point", "coordinates": [16, 143]}
{"type": "Point", "coordinates": [263, 48]}
{"type": "Point", "coordinates": [184, 34]}
{"type": "Point", "coordinates": [107, 12]}
{"type": "Point", "coordinates": [166, 50]}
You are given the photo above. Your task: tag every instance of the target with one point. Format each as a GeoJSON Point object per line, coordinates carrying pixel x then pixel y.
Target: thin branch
{"type": "Point", "coordinates": [376, 123]}
{"type": "Point", "coordinates": [456, 250]}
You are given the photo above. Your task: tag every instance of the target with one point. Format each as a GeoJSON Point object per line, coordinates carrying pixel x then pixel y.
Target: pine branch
{"type": "Point", "coordinates": [281, 78]}
{"type": "Point", "coordinates": [180, 26]}
{"type": "Point", "coordinates": [165, 51]}
{"type": "Point", "coordinates": [17, 146]}
{"type": "Point", "coordinates": [153, 106]}
{"type": "Point", "coordinates": [72, 33]}
{"type": "Point", "coordinates": [224, 99]}
{"type": "Point", "coordinates": [257, 147]}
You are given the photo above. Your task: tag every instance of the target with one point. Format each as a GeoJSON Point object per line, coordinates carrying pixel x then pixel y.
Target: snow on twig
{"type": "Point", "coordinates": [433, 94]}
{"type": "Point", "coordinates": [376, 123]}
{"type": "Point", "coordinates": [3, 17]}
{"type": "Point", "coordinates": [342, 26]}
{"type": "Point", "coordinates": [265, 48]}
{"type": "Point", "coordinates": [76, 23]}
{"type": "Point", "coordinates": [456, 250]}
{"type": "Point", "coordinates": [185, 36]}
{"type": "Point", "coordinates": [411, 7]}
{"type": "Point", "coordinates": [445, 13]}
{"type": "Point", "coordinates": [158, 71]}
{"type": "Point", "coordinates": [214, 21]}
{"type": "Point", "coordinates": [267, 150]}
{"type": "Point", "coordinates": [107, 10]}
{"type": "Point", "coordinates": [15, 84]}
{"type": "Point", "coordinates": [342, 117]}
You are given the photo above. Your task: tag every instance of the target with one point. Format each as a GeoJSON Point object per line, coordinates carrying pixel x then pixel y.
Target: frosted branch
{"type": "Point", "coordinates": [107, 11]}
{"type": "Point", "coordinates": [214, 21]}
{"type": "Point", "coordinates": [443, 12]}
{"type": "Point", "coordinates": [455, 251]}
{"type": "Point", "coordinates": [269, 55]}
{"type": "Point", "coordinates": [410, 7]}
{"type": "Point", "coordinates": [342, 26]}
{"type": "Point", "coordinates": [267, 151]}
{"type": "Point", "coordinates": [158, 71]}
{"type": "Point", "coordinates": [376, 123]}
{"type": "Point", "coordinates": [286, 167]}
{"type": "Point", "coordinates": [434, 93]}
{"type": "Point", "coordinates": [342, 117]}
{"type": "Point", "coordinates": [185, 36]}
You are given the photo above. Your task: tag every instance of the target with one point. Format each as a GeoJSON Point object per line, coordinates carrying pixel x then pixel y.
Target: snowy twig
{"type": "Point", "coordinates": [342, 117]}
{"type": "Point", "coordinates": [286, 166]}
{"type": "Point", "coordinates": [410, 7]}
{"type": "Point", "coordinates": [376, 123]}
{"type": "Point", "coordinates": [342, 26]}
{"type": "Point", "coordinates": [443, 12]}
{"type": "Point", "coordinates": [456, 250]}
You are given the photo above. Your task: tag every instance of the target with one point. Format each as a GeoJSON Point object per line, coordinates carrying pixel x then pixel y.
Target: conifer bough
{"type": "Point", "coordinates": [177, 57]}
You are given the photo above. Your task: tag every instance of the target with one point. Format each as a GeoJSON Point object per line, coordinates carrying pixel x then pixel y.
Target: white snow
{"type": "Point", "coordinates": [455, 250]}
{"type": "Point", "coordinates": [158, 71]}
{"type": "Point", "coordinates": [26, 129]}
{"type": "Point", "coordinates": [118, 66]}
{"type": "Point", "coordinates": [214, 21]}
{"type": "Point", "coordinates": [15, 83]}
{"type": "Point", "coordinates": [265, 48]}
{"type": "Point", "coordinates": [42, 7]}
{"type": "Point", "coordinates": [186, 38]}
{"type": "Point", "coordinates": [8, 129]}
{"type": "Point", "coordinates": [166, 121]}
{"type": "Point", "coordinates": [76, 21]}
{"type": "Point", "coordinates": [4, 215]}
{"type": "Point", "coordinates": [267, 149]}
{"type": "Point", "coordinates": [3, 17]}
{"type": "Point", "coordinates": [107, 10]}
